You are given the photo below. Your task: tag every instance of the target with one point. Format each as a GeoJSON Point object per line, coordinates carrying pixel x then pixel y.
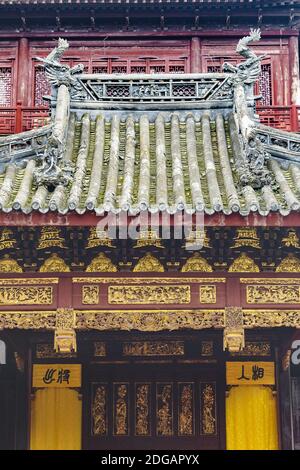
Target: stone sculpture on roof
{"type": "Point", "coordinates": [110, 147]}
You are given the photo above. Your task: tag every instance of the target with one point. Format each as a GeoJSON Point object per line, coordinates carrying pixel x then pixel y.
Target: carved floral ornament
{"type": "Point", "coordinates": [101, 263]}
{"type": "Point", "coordinates": [196, 264]}
{"type": "Point", "coordinates": [148, 263]}
{"type": "Point", "coordinates": [54, 264]}
{"type": "Point", "coordinates": [290, 264]}
{"type": "Point", "coordinates": [243, 264]}
{"type": "Point", "coordinates": [9, 265]}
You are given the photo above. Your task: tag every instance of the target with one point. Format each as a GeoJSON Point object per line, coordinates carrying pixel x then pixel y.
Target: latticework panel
{"type": "Point", "coordinates": [41, 86]}
{"type": "Point", "coordinates": [5, 86]}
{"type": "Point", "coordinates": [265, 86]}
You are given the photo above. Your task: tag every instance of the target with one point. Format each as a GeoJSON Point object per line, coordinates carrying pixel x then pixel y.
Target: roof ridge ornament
{"type": "Point", "coordinates": [249, 70]}
{"type": "Point", "coordinates": [56, 72]}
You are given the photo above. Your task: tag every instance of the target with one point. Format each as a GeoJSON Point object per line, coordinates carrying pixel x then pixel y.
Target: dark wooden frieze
{"type": "Point", "coordinates": [28, 249]}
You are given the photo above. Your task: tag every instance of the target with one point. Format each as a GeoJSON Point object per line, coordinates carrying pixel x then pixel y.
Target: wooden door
{"type": "Point", "coordinates": [153, 404]}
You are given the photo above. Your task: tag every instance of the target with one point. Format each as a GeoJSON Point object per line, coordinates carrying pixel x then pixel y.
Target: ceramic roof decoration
{"type": "Point", "coordinates": [152, 142]}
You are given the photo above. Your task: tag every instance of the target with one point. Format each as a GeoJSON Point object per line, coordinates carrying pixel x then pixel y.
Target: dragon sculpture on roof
{"type": "Point", "coordinates": [249, 70]}
{"type": "Point", "coordinates": [56, 72]}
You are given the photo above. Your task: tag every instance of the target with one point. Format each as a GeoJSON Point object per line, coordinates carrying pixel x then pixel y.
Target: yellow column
{"type": "Point", "coordinates": [251, 418]}
{"type": "Point", "coordinates": [56, 419]}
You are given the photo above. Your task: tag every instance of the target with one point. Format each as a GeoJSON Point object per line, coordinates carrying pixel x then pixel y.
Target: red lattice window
{"type": "Point", "coordinates": [177, 68]}
{"type": "Point", "coordinates": [119, 68]}
{"type": "Point", "coordinates": [41, 86]}
{"type": "Point", "coordinates": [138, 69]}
{"type": "Point", "coordinates": [100, 69]}
{"type": "Point", "coordinates": [149, 65]}
{"type": "Point", "coordinates": [157, 68]}
{"type": "Point", "coordinates": [5, 86]}
{"type": "Point", "coordinates": [264, 86]}
{"type": "Point", "coordinates": [214, 68]}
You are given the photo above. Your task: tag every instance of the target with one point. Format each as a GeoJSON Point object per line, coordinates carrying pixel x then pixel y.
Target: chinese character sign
{"type": "Point", "coordinates": [56, 375]}
{"type": "Point", "coordinates": [250, 373]}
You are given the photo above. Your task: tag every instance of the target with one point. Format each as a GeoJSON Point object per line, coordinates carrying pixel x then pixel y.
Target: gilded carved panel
{"type": "Point", "coordinates": [208, 294]}
{"type": "Point", "coordinates": [149, 294]}
{"type": "Point", "coordinates": [26, 295]}
{"type": "Point", "coordinates": [273, 294]}
{"type": "Point", "coordinates": [121, 409]}
{"type": "Point", "coordinates": [164, 409]}
{"type": "Point", "coordinates": [142, 409]}
{"type": "Point", "coordinates": [90, 295]}
{"type": "Point", "coordinates": [153, 348]}
{"type": "Point", "coordinates": [208, 408]}
{"type": "Point", "coordinates": [186, 416]}
{"type": "Point", "coordinates": [99, 410]}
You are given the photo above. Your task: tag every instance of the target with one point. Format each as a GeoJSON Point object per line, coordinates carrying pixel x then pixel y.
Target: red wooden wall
{"type": "Point", "coordinates": [23, 83]}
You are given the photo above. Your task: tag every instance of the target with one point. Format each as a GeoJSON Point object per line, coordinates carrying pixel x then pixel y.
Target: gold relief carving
{"type": "Point", "coordinates": [234, 333]}
{"type": "Point", "coordinates": [98, 238]}
{"type": "Point", "coordinates": [243, 264]}
{"type": "Point", "coordinates": [164, 414]}
{"type": "Point", "coordinates": [246, 236]}
{"type": "Point", "coordinates": [150, 320]}
{"type": "Point", "coordinates": [121, 410]}
{"type": "Point", "coordinates": [148, 238]}
{"type": "Point", "coordinates": [147, 280]}
{"type": "Point", "coordinates": [148, 263]}
{"type": "Point", "coordinates": [65, 335]}
{"type": "Point", "coordinates": [29, 281]}
{"type": "Point", "coordinates": [196, 264]}
{"type": "Point", "coordinates": [27, 320]}
{"type": "Point", "coordinates": [271, 318]}
{"type": "Point", "coordinates": [6, 239]}
{"type": "Point", "coordinates": [197, 238]}
{"type": "Point", "coordinates": [101, 263]}
{"type": "Point", "coordinates": [274, 280]}
{"type": "Point", "coordinates": [208, 294]}
{"type": "Point", "coordinates": [65, 318]}
{"type": "Point", "coordinates": [272, 294]}
{"type": "Point", "coordinates": [65, 341]}
{"type": "Point", "coordinates": [153, 348]}
{"type": "Point", "coordinates": [50, 237]}
{"type": "Point", "coordinates": [54, 264]}
{"type": "Point", "coordinates": [153, 320]}
{"type": "Point", "coordinates": [8, 265]}
{"type": "Point", "coordinates": [99, 415]}
{"type": "Point", "coordinates": [290, 264]}
{"type": "Point", "coordinates": [291, 240]}
{"type": "Point", "coordinates": [208, 422]}
{"type": "Point", "coordinates": [207, 348]}
{"type": "Point", "coordinates": [99, 349]}
{"type": "Point", "coordinates": [26, 295]}
{"type": "Point", "coordinates": [186, 422]}
{"type": "Point", "coordinates": [255, 348]}
{"type": "Point", "coordinates": [149, 294]}
{"type": "Point", "coordinates": [142, 413]}
{"type": "Point", "coordinates": [47, 351]}
{"type": "Point", "coordinates": [90, 295]}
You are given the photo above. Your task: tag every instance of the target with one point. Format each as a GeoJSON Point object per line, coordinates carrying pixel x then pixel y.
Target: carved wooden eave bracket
{"type": "Point", "coordinates": [234, 331]}
{"type": "Point", "coordinates": [64, 334]}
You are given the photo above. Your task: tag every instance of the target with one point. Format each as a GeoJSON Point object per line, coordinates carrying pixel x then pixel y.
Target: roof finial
{"type": "Point", "coordinates": [249, 70]}
{"type": "Point", "coordinates": [57, 73]}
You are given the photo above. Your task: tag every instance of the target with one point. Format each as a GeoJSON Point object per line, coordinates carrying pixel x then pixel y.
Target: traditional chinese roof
{"type": "Point", "coordinates": [158, 142]}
